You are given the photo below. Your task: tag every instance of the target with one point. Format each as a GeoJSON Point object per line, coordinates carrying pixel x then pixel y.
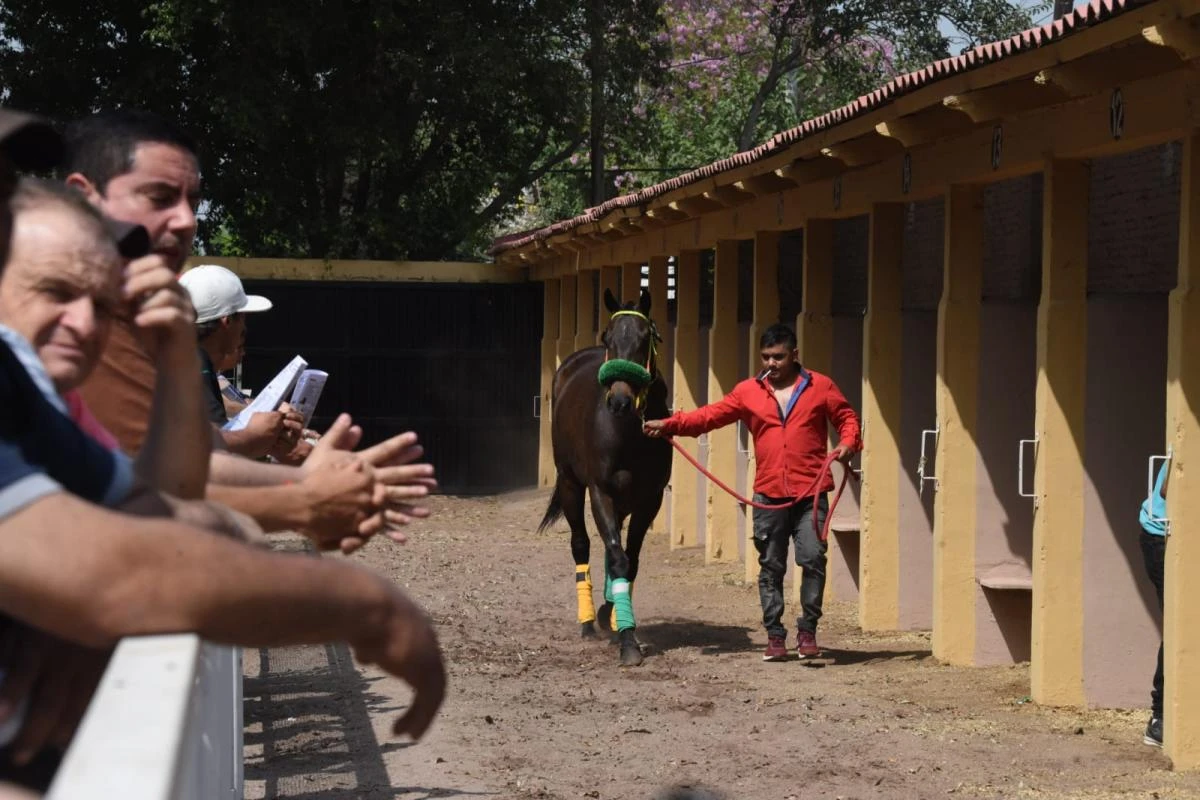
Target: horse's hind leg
{"type": "Point", "coordinates": [570, 496]}
{"type": "Point", "coordinates": [617, 565]}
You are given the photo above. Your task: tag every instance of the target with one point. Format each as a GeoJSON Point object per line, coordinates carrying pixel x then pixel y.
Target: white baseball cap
{"type": "Point", "coordinates": [217, 292]}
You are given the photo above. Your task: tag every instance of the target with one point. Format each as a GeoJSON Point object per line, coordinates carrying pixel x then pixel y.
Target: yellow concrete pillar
{"type": "Point", "coordinates": [765, 288]}
{"type": "Point", "coordinates": [631, 282]}
{"type": "Point", "coordinates": [879, 586]}
{"type": "Point", "coordinates": [550, 309]}
{"type": "Point", "coordinates": [1181, 601]}
{"type": "Point", "coordinates": [658, 312]}
{"type": "Point", "coordinates": [1056, 659]}
{"type": "Point", "coordinates": [585, 311]}
{"type": "Point", "coordinates": [610, 279]}
{"type": "Point", "coordinates": [955, 455]}
{"type": "Point", "coordinates": [814, 325]}
{"type": "Point", "coordinates": [721, 542]}
{"type": "Point", "coordinates": [566, 316]}
{"type": "Point", "coordinates": [685, 524]}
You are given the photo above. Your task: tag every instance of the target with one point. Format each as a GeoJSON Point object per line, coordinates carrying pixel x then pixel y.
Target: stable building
{"type": "Point", "coordinates": [993, 256]}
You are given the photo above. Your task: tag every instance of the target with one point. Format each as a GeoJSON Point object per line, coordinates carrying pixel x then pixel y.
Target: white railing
{"type": "Point", "coordinates": [165, 724]}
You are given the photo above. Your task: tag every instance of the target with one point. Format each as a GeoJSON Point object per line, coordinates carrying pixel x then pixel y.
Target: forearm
{"type": "Point", "coordinates": [698, 422]}
{"type": "Point", "coordinates": [227, 469]}
{"type": "Point", "coordinates": [203, 514]}
{"type": "Point", "coordinates": [175, 455]}
{"type": "Point", "coordinates": [275, 508]}
{"type": "Point", "coordinates": [92, 576]}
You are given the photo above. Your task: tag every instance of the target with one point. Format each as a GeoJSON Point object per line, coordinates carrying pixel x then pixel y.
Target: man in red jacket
{"type": "Point", "coordinates": [787, 409]}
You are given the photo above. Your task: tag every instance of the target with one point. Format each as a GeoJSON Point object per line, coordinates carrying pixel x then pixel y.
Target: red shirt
{"type": "Point", "coordinates": [788, 451]}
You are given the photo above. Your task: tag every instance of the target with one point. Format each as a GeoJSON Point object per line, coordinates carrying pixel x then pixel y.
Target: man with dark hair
{"type": "Point", "coordinates": [787, 409]}
{"type": "Point", "coordinates": [107, 147]}
{"type": "Point", "coordinates": [137, 168]}
{"type": "Point", "coordinates": [90, 576]}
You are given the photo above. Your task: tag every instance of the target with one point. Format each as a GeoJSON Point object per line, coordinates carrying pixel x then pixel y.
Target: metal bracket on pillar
{"type": "Point", "coordinates": [1021, 469]}
{"type": "Point", "coordinates": [1166, 522]}
{"type": "Point", "coordinates": [925, 434]}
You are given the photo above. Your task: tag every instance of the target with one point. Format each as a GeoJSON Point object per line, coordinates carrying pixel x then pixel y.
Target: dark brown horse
{"type": "Point", "coordinates": [600, 397]}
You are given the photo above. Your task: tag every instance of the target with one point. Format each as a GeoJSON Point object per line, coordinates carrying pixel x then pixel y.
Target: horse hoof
{"type": "Point", "coordinates": [604, 616]}
{"type": "Point", "coordinates": [631, 655]}
{"type": "Point", "coordinates": [587, 631]}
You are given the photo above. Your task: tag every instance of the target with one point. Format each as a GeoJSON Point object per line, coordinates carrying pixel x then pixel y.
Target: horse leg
{"type": "Point", "coordinates": [639, 524]}
{"type": "Point", "coordinates": [570, 494]}
{"type": "Point", "coordinates": [617, 566]}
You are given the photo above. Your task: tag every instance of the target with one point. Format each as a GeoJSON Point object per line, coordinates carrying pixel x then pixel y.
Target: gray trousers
{"type": "Point", "coordinates": [773, 530]}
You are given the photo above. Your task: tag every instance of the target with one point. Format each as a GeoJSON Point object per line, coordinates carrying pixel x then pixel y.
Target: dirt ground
{"type": "Point", "coordinates": [534, 712]}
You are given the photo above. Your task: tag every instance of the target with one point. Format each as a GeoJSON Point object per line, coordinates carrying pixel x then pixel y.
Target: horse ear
{"type": "Point", "coordinates": [644, 302]}
{"type": "Point", "coordinates": [610, 302]}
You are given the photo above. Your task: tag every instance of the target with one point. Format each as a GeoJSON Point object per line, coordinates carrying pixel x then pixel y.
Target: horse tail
{"type": "Point", "coordinates": [553, 512]}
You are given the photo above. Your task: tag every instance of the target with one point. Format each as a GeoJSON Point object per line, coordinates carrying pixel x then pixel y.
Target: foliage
{"type": "Point", "coordinates": [357, 130]}
{"type": "Point", "coordinates": [744, 70]}
{"type": "Point", "coordinates": [415, 129]}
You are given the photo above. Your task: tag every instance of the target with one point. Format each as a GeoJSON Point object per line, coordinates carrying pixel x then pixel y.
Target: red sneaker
{"type": "Point", "coordinates": [806, 644]}
{"type": "Point", "coordinates": [776, 649]}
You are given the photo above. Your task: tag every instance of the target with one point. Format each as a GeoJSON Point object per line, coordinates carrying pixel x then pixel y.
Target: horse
{"type": "Point", "coordinates": [599, 399]}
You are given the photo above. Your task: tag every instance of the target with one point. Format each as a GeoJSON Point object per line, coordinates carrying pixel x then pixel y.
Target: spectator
{"type": "Point", "coordinates": [137, 168]}
{"type": "Point", "coordinates": [221, 308]}
{"type": "Point", "coordinates": [61, 291]}
{"type": "Point", "coordinates": [129, 576]}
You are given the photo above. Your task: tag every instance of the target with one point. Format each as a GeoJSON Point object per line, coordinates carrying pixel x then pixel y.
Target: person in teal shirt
{"type": "Point", "coordinates": [1154, 547]}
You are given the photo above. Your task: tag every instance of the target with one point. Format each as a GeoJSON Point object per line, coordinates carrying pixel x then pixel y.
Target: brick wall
{"type": "Point", "coordinates": [850, 242]}
{"type": "Point", "coordinates": [1133, 225]}
{"type": "Point", "coordinates": [1012, 239]}
{"type": "Point", "coordinates": [791, 275]}
{"type": "Point", "coordinates": [922, 260]}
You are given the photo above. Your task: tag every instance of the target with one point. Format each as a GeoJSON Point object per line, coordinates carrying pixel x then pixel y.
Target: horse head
{"type": "Point", "coordinates": [630, 358]}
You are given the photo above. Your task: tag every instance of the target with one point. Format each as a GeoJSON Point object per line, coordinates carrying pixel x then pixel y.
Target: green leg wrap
{"type": "Point", "coordinates": [608, 583]}
{"type": "Point", "coordinates": [623, 604]}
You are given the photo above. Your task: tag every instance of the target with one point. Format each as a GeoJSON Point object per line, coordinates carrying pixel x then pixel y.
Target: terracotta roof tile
{"type": "Point", "coordinates": [1082, 16]}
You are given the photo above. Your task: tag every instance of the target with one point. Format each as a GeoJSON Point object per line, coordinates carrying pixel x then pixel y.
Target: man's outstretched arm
{"type": "Point", "coordinates": [93, 576]}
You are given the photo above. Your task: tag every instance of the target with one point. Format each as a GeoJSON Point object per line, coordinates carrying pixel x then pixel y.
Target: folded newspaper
{"type": "Point", "coordinates": [272, 395]}
{"type": "Point", "coordinates": [308, 392]}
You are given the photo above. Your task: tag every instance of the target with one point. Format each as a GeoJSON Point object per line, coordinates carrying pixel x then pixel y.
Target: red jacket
{"type": "Point", "coordinates": [789, 453]}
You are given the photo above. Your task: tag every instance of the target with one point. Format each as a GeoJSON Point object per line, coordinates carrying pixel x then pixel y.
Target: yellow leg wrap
{"type": "Point", "coordinates": [583, 593]}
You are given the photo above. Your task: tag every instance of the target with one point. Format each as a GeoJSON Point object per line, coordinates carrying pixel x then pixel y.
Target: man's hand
{"type": "Point", "coordinates": [653, 428]}
{"type": "Point", "coordinates": [344, 503]}
{"type": "Point", "coordinates": [162, 310]}
{"type": "Point", "coordinates": [261, 434]}
{"type": "Point", "coordinates": [401, 481]}
{"type": "Point", "coordinates": [842, 453]}
{"type": "Point", "coordinates": [58, 679]}
{"type": "Point", "coordinates": [285, 446]}
{"type": "Point", "coordinates": [407, 647]}
{"type": "Point", "coordinates": [294, 457]}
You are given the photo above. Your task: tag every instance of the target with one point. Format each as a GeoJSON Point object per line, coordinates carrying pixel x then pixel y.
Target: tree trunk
{"type": "Point", "coordinates": [746, 138]}
{"type": "Point", "coordinates": [596, 59]}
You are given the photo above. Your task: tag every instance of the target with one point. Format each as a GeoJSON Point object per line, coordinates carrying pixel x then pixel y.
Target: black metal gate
{"type": "Point", "coordinates": [457, 363]}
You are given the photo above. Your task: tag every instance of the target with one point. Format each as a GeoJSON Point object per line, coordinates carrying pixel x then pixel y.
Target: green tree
{"type": "Point", "coordinates": [398, 129]}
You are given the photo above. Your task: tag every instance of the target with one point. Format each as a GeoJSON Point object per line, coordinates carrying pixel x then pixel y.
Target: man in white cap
{"type": "Point", "coordinates": [221, 306]}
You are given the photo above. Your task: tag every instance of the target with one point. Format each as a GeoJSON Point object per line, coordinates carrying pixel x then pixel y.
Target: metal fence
{"type": "Point", "coordinates": [165, 724]}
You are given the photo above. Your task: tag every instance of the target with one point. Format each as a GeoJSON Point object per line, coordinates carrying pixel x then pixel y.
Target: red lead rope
{"type": "Point", "coordinates": [813, 491]}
